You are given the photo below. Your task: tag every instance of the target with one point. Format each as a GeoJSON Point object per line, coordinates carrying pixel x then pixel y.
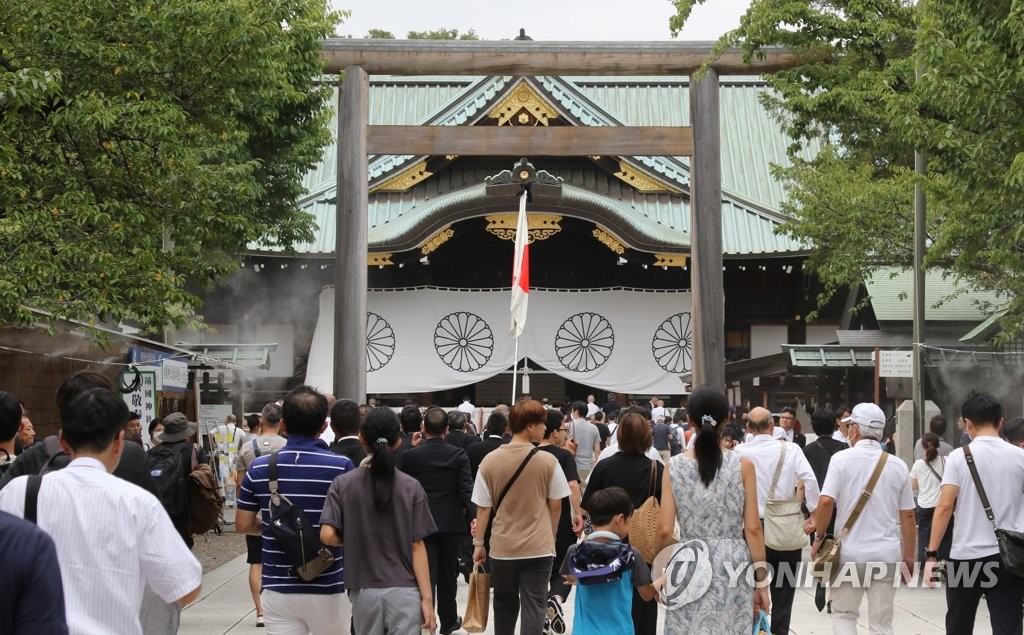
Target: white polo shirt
{"type": "Point", "coordinates": [876, 535]}
{"type": "Point", "coordinates": [764, 452]}
{"type": "Point", "coordinates": [112, 538]}
{"type": "Point", "coordinates": [1001, 469]}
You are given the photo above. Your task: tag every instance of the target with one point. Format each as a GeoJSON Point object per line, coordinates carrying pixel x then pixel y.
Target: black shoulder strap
{"type": "Point", "coordinates": [501, 497]}
{"type": "Point", "coordinates": [32, 497]}
{"type": "Point", "coordinates": [256, 448]}
{"type": "Point", "coordinates": [980, 487]}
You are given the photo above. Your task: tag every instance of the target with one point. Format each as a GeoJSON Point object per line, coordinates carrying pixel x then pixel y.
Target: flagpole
{"type": "Point", "coordinates": [515, 365]}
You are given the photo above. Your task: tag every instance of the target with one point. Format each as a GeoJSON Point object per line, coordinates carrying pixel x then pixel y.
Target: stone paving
{"type": "Point", "coordinates": [226, 607]}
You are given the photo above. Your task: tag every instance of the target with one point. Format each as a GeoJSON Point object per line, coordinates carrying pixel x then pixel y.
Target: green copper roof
{"type": "Point", "coordinates": [892, 297]}
{"type": "Point", "coordinates": [751, 142]}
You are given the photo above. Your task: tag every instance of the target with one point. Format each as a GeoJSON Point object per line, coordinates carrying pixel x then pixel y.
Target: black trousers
{"type": "Point", "coordinates": [924, 533]}
{"type": "Point", "coordinates": [443, 556]}
{"type": "Point", "coordinates": [786, 576]}
{"type": "Point", "coordinates": [520, 594]}
{"type": "Point", "coordinates": [558, 585]}
{"type": "Point", "coordinates": [964, 594]}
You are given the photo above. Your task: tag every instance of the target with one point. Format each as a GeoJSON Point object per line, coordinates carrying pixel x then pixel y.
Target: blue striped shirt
{"type": "Point", "coordinates": [305, 471]}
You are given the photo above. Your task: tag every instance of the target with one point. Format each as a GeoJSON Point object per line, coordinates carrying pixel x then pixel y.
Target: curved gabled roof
{"type": "Point", "coordinates": [646, 220]}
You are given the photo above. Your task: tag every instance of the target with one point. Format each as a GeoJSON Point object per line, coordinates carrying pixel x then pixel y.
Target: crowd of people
{"type": "Point", "coordinates": [404, 503]}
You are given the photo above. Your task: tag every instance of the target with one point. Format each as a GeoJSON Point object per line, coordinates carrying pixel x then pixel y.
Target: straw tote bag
{"type": "Point", "coordinates": [643, 525]}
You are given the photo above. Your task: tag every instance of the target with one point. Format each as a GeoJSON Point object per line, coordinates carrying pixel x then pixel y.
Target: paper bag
{"type": "Point", "coordinates": [479, 604]}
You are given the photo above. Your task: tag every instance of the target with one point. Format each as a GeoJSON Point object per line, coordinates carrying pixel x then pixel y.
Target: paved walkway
{"type": "Point", "coordinates": [225, 606]}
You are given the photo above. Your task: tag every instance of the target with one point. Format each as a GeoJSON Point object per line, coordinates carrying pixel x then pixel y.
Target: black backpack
{"type": "Point", "coordinates": [56, 457]}
{"type": "Point", "coordinates": [167, 469]}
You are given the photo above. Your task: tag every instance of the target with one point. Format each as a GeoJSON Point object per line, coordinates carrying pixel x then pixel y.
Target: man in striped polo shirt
{"type": "Point", "coordinates": [305, 470]}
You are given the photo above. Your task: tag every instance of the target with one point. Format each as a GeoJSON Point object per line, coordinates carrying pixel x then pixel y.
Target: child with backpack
{"type": "Point", "coordinates": [606, 568]}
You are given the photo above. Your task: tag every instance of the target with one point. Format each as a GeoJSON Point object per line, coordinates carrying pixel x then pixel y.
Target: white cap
{"type": "Point", "coordinates": [867, 414]}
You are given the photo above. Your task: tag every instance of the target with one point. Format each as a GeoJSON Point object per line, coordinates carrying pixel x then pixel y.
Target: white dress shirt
{"type": "Point", "coordinates": [839, 436]}
{"type": "Point", "coordinates": [112, 539]}
{"type": "Point", "coordinates": [1001, 470]}
{"type": "Point", "coordinates": [764, 452]}
{"type": "Point", "coordinates": [876, 535]}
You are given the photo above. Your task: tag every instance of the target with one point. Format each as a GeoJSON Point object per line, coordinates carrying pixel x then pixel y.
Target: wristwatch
{"type": "Point", "coordinates": [477, 542]}
{"type": "Point", "coordinates": [931, 554]}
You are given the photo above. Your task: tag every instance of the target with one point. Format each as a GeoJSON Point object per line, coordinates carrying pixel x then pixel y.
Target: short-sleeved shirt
{"type": "Point", "coordinates": [586, 436]}
{"type": "Point", "coordinates": [266, 443]}
{"type": "Point", "coordinates": [305, 470]}
{"type": "Point", "coordinates": [944, 449]}
{"type": "Point", "coordinates": [659, 437]}
{"type": "Point", "coordinates": [1001, 470]}
{"type": "Point", "coordinates": [568, 463]}
{"type": "Point", "coordinates": [631, 472]}
{"type": "Point", "coordinates": [113, 539]}
{"type": "Point", "coordinates": [929, 484]}
{"type": "Point", "coordinates": [378, 544]}
{"type": "Point", "coordinates": [521, 526]}
{"type": "Point", "coordinates": [606, 608]}
{"type": "Point", "coordinates": [875, 536]}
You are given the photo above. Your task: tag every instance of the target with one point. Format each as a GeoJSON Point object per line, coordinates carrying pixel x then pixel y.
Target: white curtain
{"type": "Point", "coordinates": [428, 339]}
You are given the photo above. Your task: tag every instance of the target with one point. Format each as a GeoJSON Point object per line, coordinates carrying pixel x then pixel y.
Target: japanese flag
{"type": "Point", "coordinates": [520, 272]}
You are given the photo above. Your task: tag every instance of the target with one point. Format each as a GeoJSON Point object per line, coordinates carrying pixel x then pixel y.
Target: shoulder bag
{"type": "Point", "coordinates": [294, 534]}
{"type": "Point", "coordinates": [643, 524]}
{"type": "Point", "coordinates": [783, 519]}
{"type": "Point", "coordinates": [501, 497]}
{"type": "Point", "coordinates": [826, 563]}
{"type": "Point", "coordinates": [1011, 543]}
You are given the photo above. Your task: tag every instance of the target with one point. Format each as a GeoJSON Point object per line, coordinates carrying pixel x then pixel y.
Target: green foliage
{"type": "Point", "coordinates": [143, 145]}
{"type": "Point", "coordinates": [379, 34]}
{"type": "Point", "coordinates": [443, 34]}
{"type": "Point", "coordinates": [853, 91]}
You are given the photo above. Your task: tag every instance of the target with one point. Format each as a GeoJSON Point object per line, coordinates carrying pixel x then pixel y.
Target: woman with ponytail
{"type": "Point", "coordinates": [712, 495]}
{"type": "Point", "coordinates": [926, 481]}
{"type": "Point", "coordinates": [381, 517]}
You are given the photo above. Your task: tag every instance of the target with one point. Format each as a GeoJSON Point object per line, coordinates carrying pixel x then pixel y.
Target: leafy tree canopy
{"type": "Point", "coordinates": [143, 145]}
{"type": "Point", "coordinates": [443, 34]}
{"type": "Point", "coordinates": [854, 92]}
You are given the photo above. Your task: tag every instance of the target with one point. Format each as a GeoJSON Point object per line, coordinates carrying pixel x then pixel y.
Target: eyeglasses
{"type": "Point", "coordinates": [563, 429]}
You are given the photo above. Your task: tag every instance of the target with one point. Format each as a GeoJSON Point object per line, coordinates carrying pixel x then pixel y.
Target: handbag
{"type": "Point", "coordinates": [643, 524]}
{"type": "Point", "coordinates": [479, 604]}
{"type": "Point", "coordinates": [1011, 543]}
{"type": "Point", "coordinates": [294, 534]}
{"type": "Point", "coordinates": [826, 563]}
{"type": "Point", "coordinates": [783, 519]}
{"type": "Point", "coordinates": [762, 626]}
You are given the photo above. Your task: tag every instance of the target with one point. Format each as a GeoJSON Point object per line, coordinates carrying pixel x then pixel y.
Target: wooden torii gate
{"type": "Point", "coordinates": [358, 59]}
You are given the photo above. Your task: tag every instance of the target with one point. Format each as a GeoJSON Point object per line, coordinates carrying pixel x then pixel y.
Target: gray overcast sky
{"type": "Point", "coordinates": [542, 19]}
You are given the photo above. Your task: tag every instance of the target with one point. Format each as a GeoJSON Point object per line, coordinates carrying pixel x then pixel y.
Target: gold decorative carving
{"type": "Point", "coordinates": [637, 179]}
{"type": "Point", "coordinates": [670, 260]}
{"type": "Point", "coordinates": [405, 180]}
{"type": "Point", "coordinates": [609, 240]}
{"type": "Point", "coordinates": [539, 226]}
{"type": "Point", "coordinates": [507, 112]}
{"type": "Point", "coordinates": [437, 240]}
{"type": "Point", "coordinates": [378, 259]}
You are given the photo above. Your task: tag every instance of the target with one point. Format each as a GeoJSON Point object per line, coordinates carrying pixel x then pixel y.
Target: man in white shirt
{"type": "Point", "coordinates": [765, 452]}
{"type": "Point", "coordinates": [586, 439]}
{"type": "Point", "coordinates": [1000, 467]}
{"type": "Point", "coordinates": [840, 434]}
{"type": "Point", "coordinates": [592, 406]}
{"type": "Point", "coordinates": [881, 538]}
{"type": "Point", "coordinates": [82, 506]}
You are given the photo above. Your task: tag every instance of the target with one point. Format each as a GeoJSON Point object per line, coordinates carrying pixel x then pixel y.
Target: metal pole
{"type": "Point", "coordinates": [920, 217]}
{"type": "Point", "coordinates": [515, 363]}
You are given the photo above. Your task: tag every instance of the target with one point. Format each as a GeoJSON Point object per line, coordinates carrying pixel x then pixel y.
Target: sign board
{"type": "Point", "coordinates": [143, 400]}
{"type": "Point", "coordinates": [175, 375]}
{"type": "Point", "coordinates": [896, 364]}
{"type": "Point", "coordinates": [212, 415]}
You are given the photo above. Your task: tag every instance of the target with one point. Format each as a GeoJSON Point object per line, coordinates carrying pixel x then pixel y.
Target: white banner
{"type": "Point", "coordinates": [424, 340]}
